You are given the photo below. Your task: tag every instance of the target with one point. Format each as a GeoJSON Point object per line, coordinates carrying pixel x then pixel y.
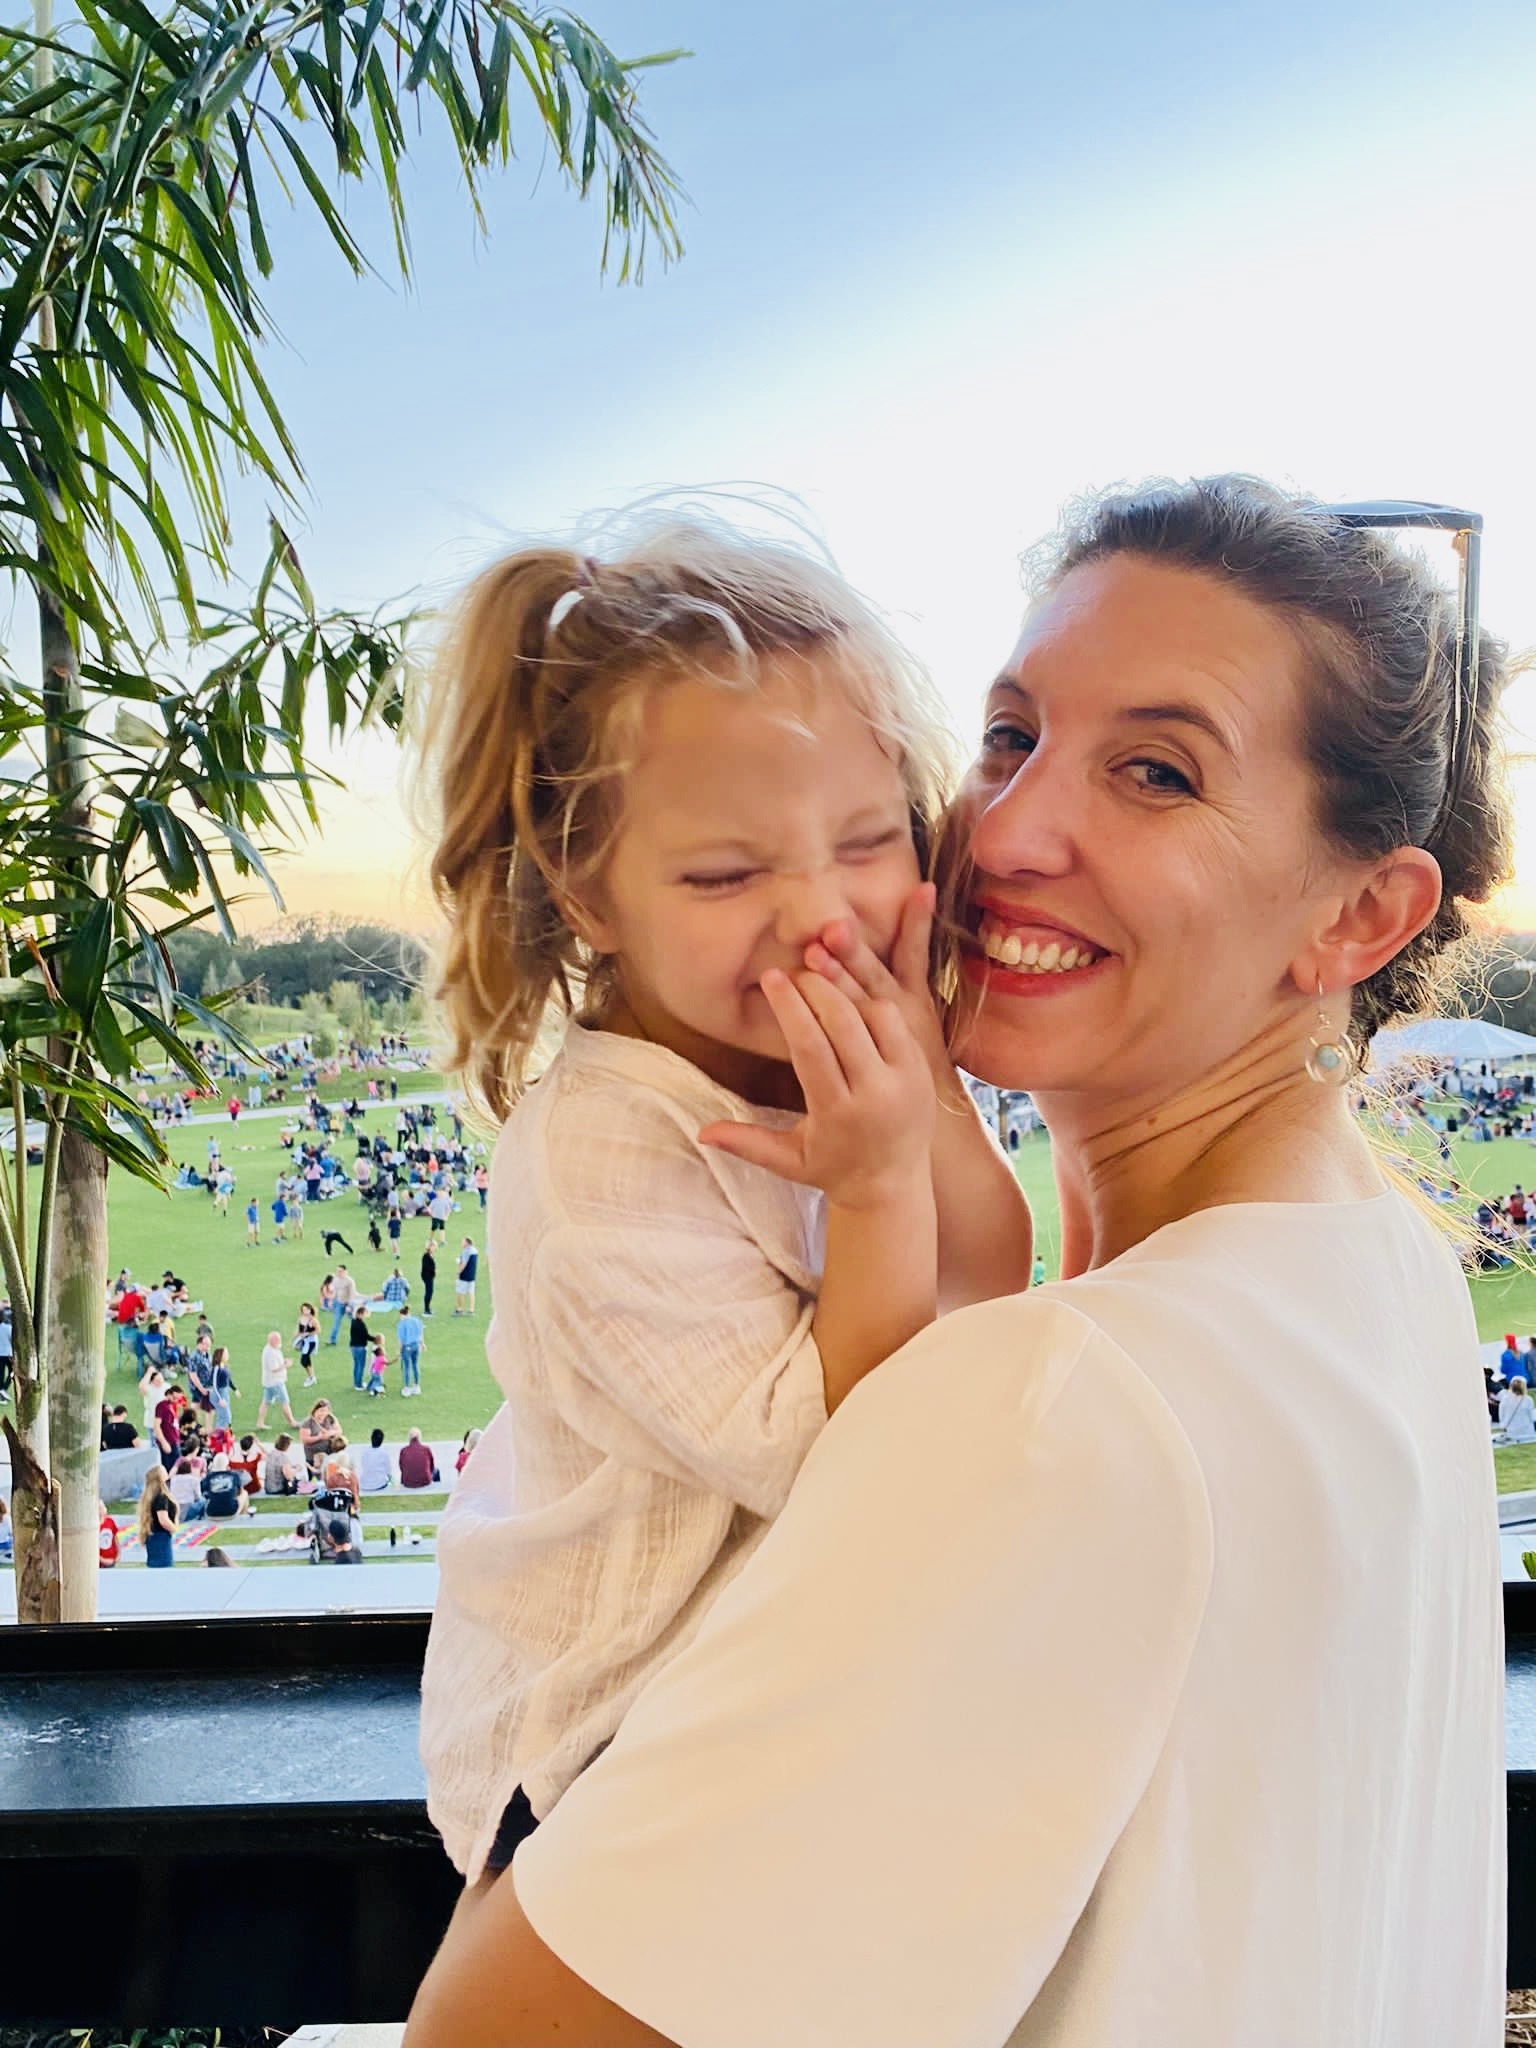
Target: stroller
{"type": "Point", "coordinates": [328, 1501]}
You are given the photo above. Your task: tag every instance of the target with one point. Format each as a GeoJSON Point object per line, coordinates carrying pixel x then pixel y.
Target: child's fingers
{"type": "Point", "coordinates": [811, 1053]}
{"type": "Point", "coordinates": [891, 1035]}
{"type": "Point", "coordinates": [779, 1151]}
{"type": "Point", "coordinates": [857, 958]}
{"type": "Point", "coordinates": [843, 1028]}
{"type": "Point", "coordinates": [909, 955]}
{"type": "Point", "coordinates": [819, 961]}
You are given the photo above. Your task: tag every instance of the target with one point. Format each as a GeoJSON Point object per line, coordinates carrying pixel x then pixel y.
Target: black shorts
{"type": "Point", "coordinates": [517, 1823]}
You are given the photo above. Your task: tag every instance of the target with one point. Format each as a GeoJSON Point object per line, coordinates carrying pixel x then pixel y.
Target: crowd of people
{"type": "Point", "coordinates": [291, 1063]}
{"type": "Point", "coordinates": [185, 1379]}
{"type": "Point", "coordinates": [203, 1475]}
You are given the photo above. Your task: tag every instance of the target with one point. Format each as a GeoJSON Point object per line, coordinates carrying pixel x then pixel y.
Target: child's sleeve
{"type": "Point", "coordinates": [676, 1345]}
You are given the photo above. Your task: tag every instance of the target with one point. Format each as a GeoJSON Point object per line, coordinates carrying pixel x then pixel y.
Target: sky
{"type": "Point", "coordinates": [945, 269]}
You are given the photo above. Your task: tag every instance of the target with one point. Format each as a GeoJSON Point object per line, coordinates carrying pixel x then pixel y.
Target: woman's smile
{"type": "Point", "coordinates": [1022, 950]}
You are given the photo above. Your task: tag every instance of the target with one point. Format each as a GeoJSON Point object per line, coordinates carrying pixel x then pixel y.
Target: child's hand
{"type": "Point", "coordinates": [842, 957]}
{"type": "Point", "coordinates": [867, 1132]}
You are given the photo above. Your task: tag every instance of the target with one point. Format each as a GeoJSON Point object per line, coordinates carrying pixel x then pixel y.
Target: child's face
{"type": "Point", "coordinates": [752, 820]}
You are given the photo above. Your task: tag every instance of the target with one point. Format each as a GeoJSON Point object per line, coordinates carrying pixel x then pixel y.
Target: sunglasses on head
{"type": "Point", "coordinates": [1466, 531]}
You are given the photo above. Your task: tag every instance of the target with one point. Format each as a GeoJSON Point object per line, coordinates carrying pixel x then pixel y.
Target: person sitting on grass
{"type": "Point", "coordinates": [223, 1491]}
{"type": "Point", "coordinates": [320, 1434]}
{"type": "Point", "coordinates": [186, 1489]}
{"type": "Point", "coordinates": [339, 1476]}
{"type": "Point", "coordinates": [214, 1556]}
{"type": "Point", "coordinates": [1517, 1413]}
{"type": "Point", "coordinates": [374, 1470]}
{"type": "Point", "coordinates": [248, 1461]}
{"type": "Point", "coordinates": [418, 1466]}
{"type": "Point", "coordinates": [285, 1469]}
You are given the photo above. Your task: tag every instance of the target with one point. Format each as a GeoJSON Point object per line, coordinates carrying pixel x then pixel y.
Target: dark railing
{"type": "Point", "coordinates": [223, 1820]}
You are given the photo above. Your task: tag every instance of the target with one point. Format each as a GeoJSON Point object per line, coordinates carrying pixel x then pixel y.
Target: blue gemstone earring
{"type": "Point", "coordinates": [1332, 1051]}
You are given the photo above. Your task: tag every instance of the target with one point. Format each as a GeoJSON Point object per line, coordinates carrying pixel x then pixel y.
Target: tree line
{"type": "Point", "coordinates": [307, 957]}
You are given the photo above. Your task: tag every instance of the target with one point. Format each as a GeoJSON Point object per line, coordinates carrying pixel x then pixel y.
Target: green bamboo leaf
{"type": "Point", "coordinates": [362, 47]}
{"type": "Point", "coordinates": [421, 62]}
{"type": "Point", "coordinates": [340, 233]}
{"type": "Point", "coordinates": [80, 968]}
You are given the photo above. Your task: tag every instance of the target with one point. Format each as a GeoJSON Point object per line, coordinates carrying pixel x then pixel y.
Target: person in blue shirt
{"type": "Point", "coordinates": [410, 1331]}
{"type": "Point", "coordinates": [395, 1290]}
{"type": "Point", "coordinates": [1510, 1361]}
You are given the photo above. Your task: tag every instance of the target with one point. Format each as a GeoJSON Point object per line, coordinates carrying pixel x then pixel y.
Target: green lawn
{"type": "Point", "coordinates": [249, 1292]}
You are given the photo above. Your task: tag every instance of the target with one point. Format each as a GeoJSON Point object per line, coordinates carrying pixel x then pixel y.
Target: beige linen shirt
{"type": "Point", "coordinates": [651, 1333]}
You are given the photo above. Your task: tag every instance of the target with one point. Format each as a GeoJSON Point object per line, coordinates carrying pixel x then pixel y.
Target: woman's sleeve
{"type": "Point", "coordinates": [677, 1346]}
{"type": "Point", "coordinates": [872, 1798]}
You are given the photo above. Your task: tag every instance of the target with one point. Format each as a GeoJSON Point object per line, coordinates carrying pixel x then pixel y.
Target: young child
{"type": "Point", "coordinates": [376, 1369]}
{"type": "Point", "coordinates": [686, 803]}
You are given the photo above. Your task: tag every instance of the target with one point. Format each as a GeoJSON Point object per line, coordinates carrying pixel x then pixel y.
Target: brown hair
{"type": "Point", "coordinates": [155, 1491]}
{"type": "Point", "coordinates": [1378, 634]}
{"type": "Point", "coordinates": [532, 715]}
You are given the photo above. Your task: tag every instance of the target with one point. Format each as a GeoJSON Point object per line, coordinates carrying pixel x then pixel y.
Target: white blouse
{"type": "Point", "coordinates": [1124, 1671]}
{"type": "Point", "coordinates": [652, 1336]}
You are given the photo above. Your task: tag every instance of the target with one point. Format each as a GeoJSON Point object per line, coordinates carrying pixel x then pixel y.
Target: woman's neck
{"type": "Point", "coordinates": [1259, 1130]}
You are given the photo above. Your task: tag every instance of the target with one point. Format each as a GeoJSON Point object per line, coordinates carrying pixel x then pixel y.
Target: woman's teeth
{"type": "Point", "coordinates": [1029, 956]}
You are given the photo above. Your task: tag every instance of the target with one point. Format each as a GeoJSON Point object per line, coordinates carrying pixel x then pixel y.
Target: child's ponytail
{"type": "Point", "coordinates": [508, 950]}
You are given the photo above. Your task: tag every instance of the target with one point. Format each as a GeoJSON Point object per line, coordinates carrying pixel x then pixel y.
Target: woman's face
{"type": "Point", "coordinates": [1140, 807]}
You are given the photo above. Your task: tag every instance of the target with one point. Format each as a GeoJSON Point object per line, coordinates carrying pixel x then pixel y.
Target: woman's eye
{"type": "Point", "coordinates": [1006, 739]}
{"type": "Point", "coordinates": [1180, 784]}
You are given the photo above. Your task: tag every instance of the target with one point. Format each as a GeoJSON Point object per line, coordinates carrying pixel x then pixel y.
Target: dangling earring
{"type": "Point", "coordinates": [1332, 1052]}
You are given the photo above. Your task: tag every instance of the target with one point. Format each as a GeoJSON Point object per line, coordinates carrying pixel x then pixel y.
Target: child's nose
{"type": "Point", "coordinates": [808, 903]}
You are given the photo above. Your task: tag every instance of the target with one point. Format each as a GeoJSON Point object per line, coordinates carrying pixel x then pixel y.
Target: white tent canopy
{"type": "Point", "coordinates": [1452, 1038]}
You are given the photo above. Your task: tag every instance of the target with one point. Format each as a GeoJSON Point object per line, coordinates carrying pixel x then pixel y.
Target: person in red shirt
{"type": "Point", "coordinates": [167, 1432]}
{"type": "Point", "coordinates": [418, 1467]}
{"type": "Point", "coordinates": [233, 1106]}
{"type": "Point", "coordinates": [126, 1310]}
{"type": "Point", "coordinates": [107, 1541]}
{"type": "Point", "coordinates": [249, 1459]}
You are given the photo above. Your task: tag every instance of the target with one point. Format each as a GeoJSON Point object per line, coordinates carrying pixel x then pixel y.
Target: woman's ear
{"type": "Point", "coordinates": [1375, 918]}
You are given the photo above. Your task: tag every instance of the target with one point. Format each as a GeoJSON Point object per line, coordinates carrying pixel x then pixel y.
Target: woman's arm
{"type": "Point", "coordinates": [493, 1984]}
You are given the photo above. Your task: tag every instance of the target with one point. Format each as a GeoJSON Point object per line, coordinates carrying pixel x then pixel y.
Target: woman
{"type": "Point", "coordinates": [285, 1470]}
{"type": "Point", "coordinates": [306, 1337]}
{"type": "Point", "coordinates": [157, 1519]}
{"type": "Point", "coordinates": [1517, 1413]}
{"type": "Point", "coordinates": [913, 1783]}
{"type": "Point", "coordinates": [320, 1434]}
{"type": "Point", "coordinates": [221, 1389]}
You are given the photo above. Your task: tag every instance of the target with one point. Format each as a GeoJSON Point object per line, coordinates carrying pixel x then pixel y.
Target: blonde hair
{"type": "Point", "coordinates": [532, 715]}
